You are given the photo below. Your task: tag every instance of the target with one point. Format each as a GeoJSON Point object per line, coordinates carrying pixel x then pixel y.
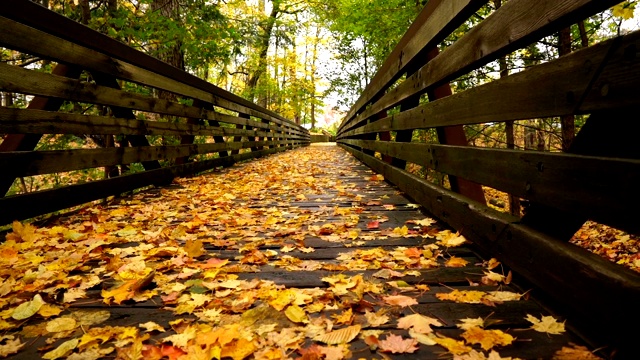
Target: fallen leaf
{"type": "Point", "coordinates": [487, 338]}
{"type": "Point", "coordinates": [397, 345]}
{"type": "Point", "coordinates": [419, 323]}
{"type": "Point", "coordinates": [63, 350]}
{"type": "Point", "coordinates": [10, 345]}
{"type": "Point", "coordinates": [341, 336]}
{"type": "Point", "coordinates": [547, 324]}
{"type": "Point", "coordinates": [575, 352]}
{"type": "Point", "coordinates": [399, 300]}
{"type": "Point", "coordinates": [28, 309]}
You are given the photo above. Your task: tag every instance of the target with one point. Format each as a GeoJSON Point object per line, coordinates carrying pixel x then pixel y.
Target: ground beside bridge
{"type": "Point", "coordinates": [304, 254]}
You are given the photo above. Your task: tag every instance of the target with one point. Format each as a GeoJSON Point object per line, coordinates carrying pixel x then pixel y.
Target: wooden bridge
{"type": "Point", "coordinates": [308, 253]}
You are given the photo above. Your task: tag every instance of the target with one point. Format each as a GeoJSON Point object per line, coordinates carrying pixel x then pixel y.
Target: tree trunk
{"type": "Point", "coordinates": [567, 122]}
{"type": "Point", "coordinates": [263, 49]}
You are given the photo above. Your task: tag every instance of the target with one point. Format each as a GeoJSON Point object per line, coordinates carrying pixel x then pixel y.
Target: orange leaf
{"type": "Point", "coordinates": [397, 345]}
{"type": "Point", "coordinates": [400, 300]}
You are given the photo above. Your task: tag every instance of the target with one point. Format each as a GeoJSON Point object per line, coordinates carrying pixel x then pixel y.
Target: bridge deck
{"type": "Point", "coordinates": [289, 247]}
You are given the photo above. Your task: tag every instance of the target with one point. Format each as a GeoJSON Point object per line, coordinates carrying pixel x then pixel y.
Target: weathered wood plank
{"type": "Point", "coordinates": [571, 84]}
{"type": "Point", "coordinates": [514, 25]}
{"type": "Point", "coordinates": [600, 291]}
{"type": "Point", "coordinates": [599, 188]}
{"type": "Point", "coordinates": [20, 80]}
{"type": "Point", "coordinates": [41, 18]}
{"type": "Point", "coordinates": [29, 163]}
{"type": "Point", "coordinates": [19, 207]}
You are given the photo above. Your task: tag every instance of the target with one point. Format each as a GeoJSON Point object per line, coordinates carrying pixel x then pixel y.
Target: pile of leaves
{"type": "Point", "coordinates": [188, 260]}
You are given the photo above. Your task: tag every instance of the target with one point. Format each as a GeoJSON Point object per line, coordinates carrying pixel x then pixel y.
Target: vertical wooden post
{"type": "Point", "coordinates": [454, 135]}
{"type": "Point", "coordinates": [409, 103]}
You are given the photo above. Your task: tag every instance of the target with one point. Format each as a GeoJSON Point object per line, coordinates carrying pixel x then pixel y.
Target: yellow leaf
{"type": "Point", "coordinates": [344, 318]}
{"type": "Point", "coordinates": [194, 248]}
{"type": "Point", "coordinates": [238, 349]}
{"type": "Point", "coordinates": [62, 351]}
{"type": "Point", "coordinates": [341, 336]}
{"type": "Point", "coordinates": [151, 326]}
{"type": "Point", "coordinates": [419, 323]}
{"type": "Point", "coordinates": [28, 309]}
{"type": "Point", "coordinates": [376, 319]}
{"type": "Point", "coordinates": [487, 338]}
{"type": "Point", "coordinates": [296, 314]}
{"type": "Point", "coordinates": [575, 352]}
{"type": "Point", "coordinates": [463, 296]}
{"type": "Point", "coordinates": [624, 10]}
{"type": "Point", "coordinates": [469, 323]}
{"type": "Point", "coordinates": [453, 346]}
{"type": "Point", "coordinates": [61, 324]}
{"type": "Point", "coordinates": [48, 310]}
{"type": "Point", "coordinates": [456, 262]}
{"type": "Point", "coordinates": [547, 324]}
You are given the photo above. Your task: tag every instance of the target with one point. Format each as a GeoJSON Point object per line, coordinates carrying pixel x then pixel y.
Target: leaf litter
{"type": "Point", "coordinates": [185, 250]}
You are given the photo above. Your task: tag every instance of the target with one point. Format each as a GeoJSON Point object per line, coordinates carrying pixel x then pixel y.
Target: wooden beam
{"type": "Point", "coordinates": [52, 23]}
{"type": "Point", "coordinates": [29, 163]}
{"type": "Point", "coordinates": [26, 142]}
{"type": "Point", "coordinates": [595, 187]}
{"type": "Point", "coordinates": [572, 84]}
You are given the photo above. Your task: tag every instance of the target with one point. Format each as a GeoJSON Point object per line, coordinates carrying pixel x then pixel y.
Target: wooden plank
{"type": "Point", "coordinates": [436, 21]}
{"type": "Point", "coordinates": [26, 142]}
{"type": "Point", "coordinates": [515, 24]}
{"type": "Point", "coordinates": [20, 207]}
{"type": "Point", "coordinates": [599, 188]}
{"type": "Point", "coordinates": [599, 291]}
{"type": "Point", "coordinates": [29, 163]}
{"type": "Point", "coordinates": [571, 84]}
{"type": "Point", "coordinates": [20, 80]}
{"type": "Point", "coordinates": [49, 22]}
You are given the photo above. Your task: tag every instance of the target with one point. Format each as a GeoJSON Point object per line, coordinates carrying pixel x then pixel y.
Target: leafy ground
{"type": "Point", "coordinates": [613, 244]}
{"type": "Point", "coordinates": [299, 255]}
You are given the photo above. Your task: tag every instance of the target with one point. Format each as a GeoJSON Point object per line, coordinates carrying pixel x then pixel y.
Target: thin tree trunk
{"type": "Point", "coordinates": [567, 122]}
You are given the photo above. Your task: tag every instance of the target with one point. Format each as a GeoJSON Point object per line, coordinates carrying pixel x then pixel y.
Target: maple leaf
{"type": "Point", "coordinates": [469, 323]}
{"type": "Point", "coordinates": [387, 274]}
{"type": "Point", "coordinates": [547, 324]}
{"type": "Point", "coordinates": [341, 336]}
{"type": "Point", "coordinates": [397, 345]}
{"type": "Point", "coordinates": [151, 326]}
{"type": "Point", "coordinates": [344, 318]}
{"type": "Point", "coordinates": [373, 224]}
{"type": "Point", "coordinates": [238, 349]}
{"type": "Point", "coordinates": [423, 222]}
{"type": "Point", "coordinates": [487, 338]}
{"type": "Point", "coordinates": [400, 300]}
{"type": "Point", "coordinates": [334, 352]}
{"type": "Point", "coordinates": [575, 352]}
{"type": "Point", "coordinates": [419, 323]}
{"type": "Point", "coordinates": [376, 319]}
{"type": "Point", "coordinates": [194, 248]}
{"type": "Point", "coordinates": [453, 346]}
{"type": "Point", "coordinates": [500, 296]}
{"type": "Point", "coordinates": [449, 239]}
{"type": "Point", "coordinates": [9, 345]}
{"type": "Point", "coordinates": [456, 262]}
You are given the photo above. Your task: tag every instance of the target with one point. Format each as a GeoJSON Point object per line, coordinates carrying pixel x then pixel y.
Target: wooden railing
{"type": "Point", "coordinates": [596, 179]}
{"type": "Point", "coordinates": [91, 69]}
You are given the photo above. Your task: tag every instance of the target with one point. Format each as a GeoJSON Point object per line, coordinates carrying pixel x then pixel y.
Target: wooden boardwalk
{"type": "Point", "coordinates": [257, 261]}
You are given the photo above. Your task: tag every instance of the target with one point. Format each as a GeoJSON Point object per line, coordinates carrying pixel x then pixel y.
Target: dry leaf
{"type": "Point", "coordinates": [341, 336]}
{"type": "Point", "coordinates": [63, 350]}
{"type": "Point", "coordinates": [547, 324]}
{"type": "Point", "coordinates": [575, 352]}
{"type": "Point", "coordinates": [399, 300]}
{"type": "Point", "coordinates": [487, 338]}
{"type": "Point", "coordinates": [28, 309]}
{"type": "Point", "coordinates": [419, 323]}
{"type": "Point", "coordinates": [10, 345]}
{"type": "Point", "coordinates": [397, 345]}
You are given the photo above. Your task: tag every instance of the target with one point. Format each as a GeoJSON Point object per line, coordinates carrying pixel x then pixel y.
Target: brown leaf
{"type": "Point", "coordinates": [341, 336]}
